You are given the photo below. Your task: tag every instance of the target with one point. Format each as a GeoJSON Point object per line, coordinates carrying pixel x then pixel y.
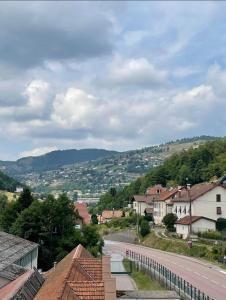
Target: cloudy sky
{"type": "Point", "coordinates": [115, 75]}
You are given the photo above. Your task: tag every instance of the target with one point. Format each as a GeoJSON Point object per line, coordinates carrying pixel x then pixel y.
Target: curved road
{"type": "Point", "coordinates": [205, 276]}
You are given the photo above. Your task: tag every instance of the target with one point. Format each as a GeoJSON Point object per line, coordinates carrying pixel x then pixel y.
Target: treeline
{"type": "Point", "coordinates": [194, 166]}
{"type": "Point", "coordinates": [50, 223]}
{"type": "Point", "coordinates": [7, 183]}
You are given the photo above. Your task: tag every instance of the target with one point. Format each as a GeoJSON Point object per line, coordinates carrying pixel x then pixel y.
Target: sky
{"type": "Point", "coordinates": [114, 75]}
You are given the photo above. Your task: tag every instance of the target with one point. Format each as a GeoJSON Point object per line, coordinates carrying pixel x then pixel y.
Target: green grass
{"type": "Point", "coordinates": [143, 281]}
{"type": "Point", "coordinates": [199, 250]}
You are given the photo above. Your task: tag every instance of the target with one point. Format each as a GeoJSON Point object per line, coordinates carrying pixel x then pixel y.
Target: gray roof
{"type": "Point", "coordinates": [12, 271]}
{"type": "Point", "coordinates": [12, 248]}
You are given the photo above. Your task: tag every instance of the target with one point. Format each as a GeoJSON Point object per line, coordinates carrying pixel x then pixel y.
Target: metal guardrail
{"type": "Point", "coordinates": [166, 277]}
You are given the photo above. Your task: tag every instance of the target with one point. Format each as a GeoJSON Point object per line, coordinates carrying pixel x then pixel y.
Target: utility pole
{"type": "Point", "coordinates": [190, 213]}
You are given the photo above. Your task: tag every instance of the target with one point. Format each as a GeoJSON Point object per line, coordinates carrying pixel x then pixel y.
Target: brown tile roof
{"type": "Point", "coordinates": [154, 190]}
{"type": "Point", "coordinates": [186, 220]}
{"type": "Point", "coordinates": [195, 192]}
{"type": "Point", "coordinates": [144, 198]}
{"type": "Point", "coordinates": [88, 290]}
{"type": "Point", "coordinates": [81, 207]}
{"type": "Point", "coordinates": [77, 277]}
{"type": "Point", "coordinates": [166, 195]}
{"type": "Point", "coordinates": [111, 214]}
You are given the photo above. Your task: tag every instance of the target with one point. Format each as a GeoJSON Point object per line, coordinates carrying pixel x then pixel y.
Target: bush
{"type": "Point", "coordinates": [215, 235]}
{"type": "Point", "coordinates": [169, 221]}
{"type": "Point", "coordinates": [144, 228]}
{"type": "Point", "coordinates": [221, 224]}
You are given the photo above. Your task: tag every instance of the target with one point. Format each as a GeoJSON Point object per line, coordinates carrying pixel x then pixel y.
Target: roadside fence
{"type": "Point", "coordinates": [165, 276]}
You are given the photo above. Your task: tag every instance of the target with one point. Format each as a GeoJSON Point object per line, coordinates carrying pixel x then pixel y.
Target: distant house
{"type": "Point", "coordinates": [199, 224]}
{"type": "Point", "coordinates": [141, 203]}
{"type": "Point", "coordinates": [82, 209]}
{"type": "Point", "coordinates": [163, 203]}
{"type": "Point", "coordinates": [108, 215]}
{"type": "Point", "coordinates": [18, 262]}
{"type": "Point", "coordinates": [79, 276]}
{"type": "Point", "coordinates": [207, 199]}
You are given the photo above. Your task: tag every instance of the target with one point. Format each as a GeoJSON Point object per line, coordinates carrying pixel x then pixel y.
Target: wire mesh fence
{"type": "Point", "coordinates": [166, 276]}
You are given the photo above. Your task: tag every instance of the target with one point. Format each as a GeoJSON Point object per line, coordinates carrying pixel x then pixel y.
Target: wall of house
{"type": "Point", "coordinates": [29, 260]}
{"type": "Point", "coordinates": [159, 211]}
{"type": "Point", "coordinates": [182, 230]}
{"type": "Point", "coordinates": [203, 225]}
{"type": "Point", "coordinates": [140, 207]}
{"type": "Point", "coordinates": [206, 205]}
{"type": "Point", "coordinates": [181, 209]}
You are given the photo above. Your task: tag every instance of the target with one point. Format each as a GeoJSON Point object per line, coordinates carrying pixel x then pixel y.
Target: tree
{"type": "Point", "coordinates": [3, 202]}
{"type": "Point", "coordinates": [94, 219]}
{"type": "Point", "coordinates": [169, 221]}
{"type": "Point", "coordinates": [221, 224]}
{"type": "Point", "coordinates": [25, 199]}
{"type": "Point", "coordinates": [144, 228]}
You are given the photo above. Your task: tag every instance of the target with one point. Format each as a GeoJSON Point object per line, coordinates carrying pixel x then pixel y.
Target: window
{"type": "Point", "coordinates": [219, 212]}
{"type": "Point", "coordinates": [218, 197]}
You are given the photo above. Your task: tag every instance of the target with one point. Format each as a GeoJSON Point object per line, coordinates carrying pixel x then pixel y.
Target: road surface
{"type": "Point", "coordinates": [205, 276]}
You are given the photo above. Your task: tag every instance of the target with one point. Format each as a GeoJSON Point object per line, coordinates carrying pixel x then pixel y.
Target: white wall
{"type": "Point", "coordinates": [159, 211]}
{"type": "Point", "coordinates": [206, 205]}
{"type": "Point", "coordinates": [140, 207]}
{"type": "Point", "coordinates": [201, 225]}
{"type": "Point", "coordinates": [182, 230]}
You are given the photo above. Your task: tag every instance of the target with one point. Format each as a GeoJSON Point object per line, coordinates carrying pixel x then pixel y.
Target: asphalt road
{"type": "Point", "coordinates": [205, 276]}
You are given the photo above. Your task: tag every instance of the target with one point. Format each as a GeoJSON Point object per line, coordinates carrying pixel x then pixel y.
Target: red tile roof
{"type": "Point", "coordinates": [155, 190]}
{"type": "Point", "coordinates": [88, 290]}
{"type": "Point", "coordinates": [77, 277]}
{"type": "Point", "coordinates": [111, 214]}
{"type": "Point", "coordinates": [186, 220]}
{"type": "Point", "coordinates": [81, 207]}
{"type": "Point", "coordinates": [144, 198]}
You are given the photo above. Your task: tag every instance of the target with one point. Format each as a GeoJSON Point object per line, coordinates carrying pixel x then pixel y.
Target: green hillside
{"type": "Point", "coordinates": [193, 165]}
{"type": "Point", "coordinates": [7, 183]}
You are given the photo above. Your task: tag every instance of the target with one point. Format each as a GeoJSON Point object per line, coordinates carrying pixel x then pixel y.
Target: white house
{"type": "Point", "coordinates": [163, 204]}
{"type": "Point", "coordinates": [199, 224]}
{"type": "Point", "coordinates": [140, 203]}
{"type": "Point", "coordinates": [207, 199]}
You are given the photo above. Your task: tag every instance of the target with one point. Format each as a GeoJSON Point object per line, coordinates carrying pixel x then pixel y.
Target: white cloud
{"type": "Point", "coordinates": [135, 72]}
{"type": "Point", "coordinates": [134, 37]}
{"type": "Point", "coordinates": [37, 151]}
{"type": "Point", "coordinates": [37, 93]}
{"type": "Point", "coordinates": [74, 109]}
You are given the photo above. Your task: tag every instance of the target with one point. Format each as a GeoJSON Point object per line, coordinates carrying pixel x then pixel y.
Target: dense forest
{"type": "Point", "coordinates": [196, 165]}
{"type": "Point", "coordinates": [7, 183]}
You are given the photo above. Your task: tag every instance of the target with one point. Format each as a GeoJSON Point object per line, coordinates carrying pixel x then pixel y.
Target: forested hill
{"type": "Point", "coordinates": [53, 160]}
{"type": "Point", "coordinates": [7, 183]}
{"type": "Point", "coordinates": [198, 165]}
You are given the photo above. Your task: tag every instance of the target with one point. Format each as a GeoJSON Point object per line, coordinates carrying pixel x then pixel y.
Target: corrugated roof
{"type": "Point", "coordinates": [12, 248]}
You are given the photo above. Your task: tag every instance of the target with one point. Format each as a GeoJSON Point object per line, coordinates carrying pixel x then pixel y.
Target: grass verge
{"type": "Point", "coordinates": [143, 281]}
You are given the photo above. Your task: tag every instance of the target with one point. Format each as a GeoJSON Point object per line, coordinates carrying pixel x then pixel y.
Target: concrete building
{"type": "Point", "coordinates": [199, 224]}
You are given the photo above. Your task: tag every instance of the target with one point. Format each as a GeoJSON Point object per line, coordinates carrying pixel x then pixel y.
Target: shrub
{"type": "Point", "coordinates": [169, 221]}
{"type": "Point", "coordinates": [221, 224]}
{"type": "Point", "coordinates": [144, 228]}
{"type": "Point", "coordinates": [215, 235]}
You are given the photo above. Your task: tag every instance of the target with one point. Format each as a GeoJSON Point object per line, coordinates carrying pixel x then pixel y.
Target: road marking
{"type": "Point", "coordinates": [224, 272]}
{"type": "Point", "coordinates": [215, 282]}
{"type": "Point", "coordinates": [205, 277]}
{"type": "Point", "coordinates": [197, 273]}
